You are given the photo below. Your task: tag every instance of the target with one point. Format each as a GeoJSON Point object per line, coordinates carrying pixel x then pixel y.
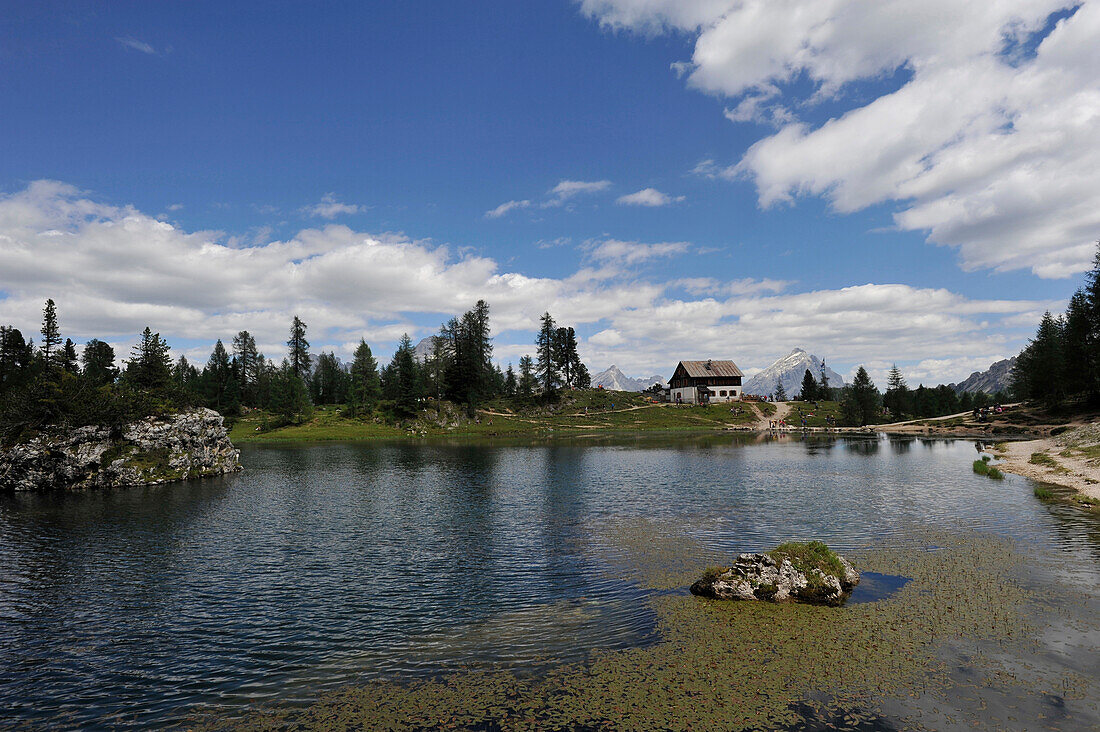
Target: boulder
{"type": "Point", "coordinates": [774, 577]}
{"type": "Point", "coordinates": [185, 445]}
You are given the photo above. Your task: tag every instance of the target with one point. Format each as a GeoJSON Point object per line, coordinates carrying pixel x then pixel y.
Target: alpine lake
{"type": "Point", "coordinates": [521, 585]}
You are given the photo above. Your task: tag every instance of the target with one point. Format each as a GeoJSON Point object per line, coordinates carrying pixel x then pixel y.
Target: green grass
{"type": "Point", "coordinates": [1041, 458]}
{"type": "Point", "coordinates": [1043, 493]}
{"type": "Point", "coordinates": [815, 416]}
{"type": "Point", "coordinates": [1087, 500]}
{"type": "Point", "coordinates": [806, 556]}
{"type": "Point", "coordinates": [607, 412]}
{"type": "Point", "coordinates": [982, 467]}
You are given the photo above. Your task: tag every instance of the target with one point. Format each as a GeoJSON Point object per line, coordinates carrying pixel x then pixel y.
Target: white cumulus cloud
{"type": "Point", "coordinates": [330, 208]}
{"type": "Point", "coordinates": [113, 270]}
{"type": "Point", "coordinates": [648, 197]}
{"type": "Point", "coordinates": [990, 144]}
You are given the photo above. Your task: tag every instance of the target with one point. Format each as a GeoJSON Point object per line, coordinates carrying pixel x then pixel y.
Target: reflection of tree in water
{"type": "Point", "coordinates": [901, 445]}
{"type": "Point", "coordinates": [863, 446]}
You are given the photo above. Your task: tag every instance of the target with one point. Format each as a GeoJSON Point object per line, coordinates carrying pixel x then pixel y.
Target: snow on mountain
{"type": "Point", "coordinates": [616, 380]}
{"type": "Point", "coordinates": [790, 370]}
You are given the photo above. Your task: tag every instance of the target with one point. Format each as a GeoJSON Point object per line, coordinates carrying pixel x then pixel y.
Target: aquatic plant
{"type": "Point", "coordinates": [1043, 493]}
{"type": "Point", "coordinates": [754, 665]}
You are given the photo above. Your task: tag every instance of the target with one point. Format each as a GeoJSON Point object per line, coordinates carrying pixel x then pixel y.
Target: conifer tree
{"type": "Point", "coordinates": [897, 398]}
{"type": "Point", "coordinates": [150, 365]}
{"type": "Point", "coordinates": [1040, 367]}
{"type": "Point", "coordinates": [405, 379]}
{"type": "Point", "coordinates": [525, 387]}
{"type": "Point", "coordinates": [546, 368]}
{"type": "Point", "coordinates": [298, 356]}
{"type": "Point", "coordinates": [217, 377]}
{"type": "Point", "coordinates": [249, 362]}
{"type": "Point", "coordinates": [99, 363]}
{"type": "Point", "coordinates": [365, 389]}
{"type": "Point", "coordinates": [16, 358]}
{"type": "Point", "coordinates": [809, 387]}
{"type": "Point", "coordinates": [780, 394]}
{"type": "Point", "coordinates": [861, 399]}
{"type": "Point", "coordinates": [510, 382]}
{"type": "Point", "coordinates": [51, 335]}
{"type": "Point", "coordinates": [68, 358]}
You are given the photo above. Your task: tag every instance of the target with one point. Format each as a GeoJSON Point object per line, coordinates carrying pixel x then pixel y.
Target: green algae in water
{"type": "Point", "coordinates": [755, 665]}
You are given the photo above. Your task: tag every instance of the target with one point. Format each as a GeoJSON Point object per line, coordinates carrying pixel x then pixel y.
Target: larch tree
{"type": "Point", "coordinates": [546, 368]}
{"type": "Point", "coordinates": [51, 334]}
{"type": "Point", "coordinates": [298, 356]}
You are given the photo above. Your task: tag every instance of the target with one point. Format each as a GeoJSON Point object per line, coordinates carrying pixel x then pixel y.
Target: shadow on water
{"type": "Point", "coordinates": [874, 587]}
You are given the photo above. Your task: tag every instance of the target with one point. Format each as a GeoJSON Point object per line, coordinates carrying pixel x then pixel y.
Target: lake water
{"type": "Point", "coordinates": [324, 566]}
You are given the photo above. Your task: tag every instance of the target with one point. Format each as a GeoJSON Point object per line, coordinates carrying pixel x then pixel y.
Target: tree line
{"type": "Point", "coordinates": [1062, 362]}
{"type": "Point", "coordinates": [861, 402]}
{"type": "Point", "coordinates": [50, 383]}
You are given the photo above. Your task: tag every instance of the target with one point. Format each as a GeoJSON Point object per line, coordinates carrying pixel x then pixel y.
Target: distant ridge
{"type": "Point", "coordinates": [616, 380]}
{"type": "Point", "coordinates": [790, 370]}
{"type": "Point", "coordinates": [998, 377]}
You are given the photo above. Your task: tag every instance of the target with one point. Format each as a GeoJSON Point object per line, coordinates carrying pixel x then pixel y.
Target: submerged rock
{"type": "Point", "coordinates": [808, 572]}
{"type": "Point", "coordinates": [190, 444]}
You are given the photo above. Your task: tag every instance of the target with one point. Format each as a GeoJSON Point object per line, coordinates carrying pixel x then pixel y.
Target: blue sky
{"type": "Point", "coordinates": [870, 198]}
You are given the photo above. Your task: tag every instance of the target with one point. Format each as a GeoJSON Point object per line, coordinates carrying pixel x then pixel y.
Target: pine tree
{"type": "Point", "coordinates": [823, 385]}
{"type": "Point", "coordinates": [897, 398]}
{"type": "Point", "coordinates": [217, 376]}
{"type": "Point", "coordinates": [249, 361]}
{"type": "Point", "coordinates": [16, 358]}
{"type": "Point", "coordinates": [99, 363]}
{"type": "Point", "coordinates": [67, 358]}
{"type": "Point", "coordinates": [298, 356]}
{"type": "Point", "coordinates": [509, 382]}
{"type": "Point", "coordinates": [1040, 367]}
{"type": "Point", "coordinates": [405, 379]}
{"type": "Point", "coordinates": [329, 382]}
{"type": "Point", "coordinates": [289, 397]}
{"type": "Point", "coordinates": [809, 387]}
{"type": "Point", "coordinates": [525, 388]}
{"type": "Point", "coordinates": [150, 365]}
{"type": "Point", "coordinates": [184, 375]}
{"type": "Point", "coordinates": [365, 389]}
{"type": "Point", "coordinates": [51, 335]}
{"type": "Point", "coordinates": [861, 399]}
{"type": "Point", "coordinates": [582, 379]}
{"type": "Point", "coordinates": [1077, 336]}
{"type": "Point", "coordinates": [780, 394]}
{"type": "Point", "coordinates": [546, 369]}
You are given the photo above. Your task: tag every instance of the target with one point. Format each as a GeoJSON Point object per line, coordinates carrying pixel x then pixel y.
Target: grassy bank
{"type": "Point", "coordinates": [578, 414]}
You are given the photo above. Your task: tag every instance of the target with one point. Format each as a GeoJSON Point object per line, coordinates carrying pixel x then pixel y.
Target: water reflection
{"type": "Point", "coordinates": [322, 566]}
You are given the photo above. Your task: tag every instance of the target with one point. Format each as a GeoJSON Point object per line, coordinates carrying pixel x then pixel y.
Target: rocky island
{"type": "Point", "coordinates": [160, 449]}
{"type": "Point", "coordinates": [793, 572]}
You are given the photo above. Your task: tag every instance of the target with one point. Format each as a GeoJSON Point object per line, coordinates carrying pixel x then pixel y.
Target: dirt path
{"type": "Point", "coordinates": [1062, 463]}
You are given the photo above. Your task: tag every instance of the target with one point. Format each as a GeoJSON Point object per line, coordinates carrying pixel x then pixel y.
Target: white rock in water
{"type": "Point", "coordinates": [185, 445]}
{"type": "Point", "coordinates": [761, 577]}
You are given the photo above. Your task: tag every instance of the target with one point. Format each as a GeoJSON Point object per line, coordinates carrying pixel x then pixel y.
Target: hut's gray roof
{"type": "Point", "coordinates": [703, 369]}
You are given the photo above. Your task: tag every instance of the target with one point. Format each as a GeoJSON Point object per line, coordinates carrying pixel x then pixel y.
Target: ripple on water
{"type": "Point", "coordinates": [323, 566]}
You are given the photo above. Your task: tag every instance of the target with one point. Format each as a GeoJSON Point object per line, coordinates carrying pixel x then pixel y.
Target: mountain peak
{"type": "Point", "coordinates": [615, 380]}
{"type": "Point", "coordinates": [789, 371]}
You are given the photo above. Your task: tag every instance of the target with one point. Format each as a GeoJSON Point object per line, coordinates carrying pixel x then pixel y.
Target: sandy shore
{"type": "Point", "coordinates": [1066, 462]}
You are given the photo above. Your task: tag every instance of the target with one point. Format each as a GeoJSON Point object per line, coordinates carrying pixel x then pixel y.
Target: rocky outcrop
{"type": "Point", "coordinates": [191, 444]}
{"type": "Point", "coordinates": [764, 577]}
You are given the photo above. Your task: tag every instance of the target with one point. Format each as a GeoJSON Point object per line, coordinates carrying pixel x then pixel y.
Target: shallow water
{"type": "Point", "coordinates": [324, 566]}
